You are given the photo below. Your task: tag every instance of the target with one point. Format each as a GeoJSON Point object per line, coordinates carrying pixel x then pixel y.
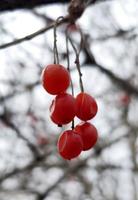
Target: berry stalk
{"type": "Point", "coordinates": [77, 62]}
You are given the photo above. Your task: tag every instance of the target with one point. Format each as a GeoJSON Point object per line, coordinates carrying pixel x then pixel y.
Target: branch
{"type": "Point", "coordinates": [76, 9]}
{"type": "Point", "coordinates": [27, 88]}
{"type": "Point", "coordinates": [6, 119]}
{"type": "Point", "coordinates": [11, 5]}
{"type": "Point", "coordinates": [17, 171]}
{"type": "Point", "coordinates": [121, 83]}
{"type": "Point", "coordinates": [115, 167]}
{"type": "Point", "coordinates": [70, 170]}
{"type": "Point", "coordinates": [6, 5]}
{"type": "Point", "coordinates": [32, 35]}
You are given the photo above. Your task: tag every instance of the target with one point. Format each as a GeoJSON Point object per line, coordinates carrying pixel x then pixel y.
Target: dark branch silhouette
{"type": "Point", "coordinates": [10, 5]}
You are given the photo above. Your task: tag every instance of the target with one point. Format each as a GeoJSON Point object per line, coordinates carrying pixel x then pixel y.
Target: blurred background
{"type": "Point", "coordinates": [30, 166]}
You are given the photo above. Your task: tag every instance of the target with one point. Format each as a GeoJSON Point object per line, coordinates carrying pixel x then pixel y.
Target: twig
{"type": "Point", "coordinates": [77, 64]}
{"type": "Point", "coordinates": [70, 170]}
{"type": "Point", "coordinates": [68, 67]}
{"type": "Point", "coordinates": [31, 146]}
{"type": "Point", "coordinates": [8, 5]}
{"type": "Point", "coordinates": [17, 171]}
{"type": "Point", "coordinates": [55, 50]}
{"type": "Point", "coordinates": [6, 118]}
{"type": "Point", "coordinates": [33, 35]}
{"type": "Point", "coordinates": [121, 83]}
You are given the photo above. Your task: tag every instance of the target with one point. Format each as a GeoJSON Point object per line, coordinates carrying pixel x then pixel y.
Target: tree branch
{"type": "Point", "coordinates": [82, 164]}
{"type": "Point", "coordinates": [11, 5]}
{"type": "Point", "coordinates": [32, 35]}
{"type": "Point", "coordinates": [125, 85]}
{"type": "Point", "coordinates": [17, 171]}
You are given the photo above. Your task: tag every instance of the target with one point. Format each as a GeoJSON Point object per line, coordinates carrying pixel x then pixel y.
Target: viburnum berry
{"type": "Point", "coordinates": [55, 79]}
{"type": "Point", "coordinates": [86, 106]}
{"type": "Point", "coordinates": [62, 109]}
{"type": "Point", "coordinates": [88, 133]}
{"type": "Point", "coordinates": [69, 144]}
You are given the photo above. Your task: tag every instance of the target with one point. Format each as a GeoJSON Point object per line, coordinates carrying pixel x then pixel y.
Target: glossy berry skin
{"type": "Point", "coordinates": [55, 79]}
{"type": "Point", "coordinates": [62, 109]}
{"type": "Point", "coordinates": [88, 133]}
{"type": "Point", "coordinates": [86, 106]}
{"type": "Point", "coordinates": [69, 144]}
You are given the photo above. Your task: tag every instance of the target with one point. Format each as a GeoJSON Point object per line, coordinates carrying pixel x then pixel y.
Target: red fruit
{"type": "Point", "coordinates": [62, 109]}
{"type": "Point", "coordinates": [88, 133]}
{"type": "Point", "coordinates": [86, 106]}
{"type": "Point", "coordinates": [69, 144]}
{"type": "Point", "coordinates": [55, 79]}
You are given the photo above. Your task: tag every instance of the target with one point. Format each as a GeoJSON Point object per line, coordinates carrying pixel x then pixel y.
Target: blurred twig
{"type": "Point", "coordinates": [32, 35]}
{"type": "Point", "coordinates": [121, 83]}
{"type": "Point", "coordinates": [6, 118]}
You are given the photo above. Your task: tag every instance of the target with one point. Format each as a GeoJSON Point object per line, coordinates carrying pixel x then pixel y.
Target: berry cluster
{"type": "Point", "coordinates": [64, 107]}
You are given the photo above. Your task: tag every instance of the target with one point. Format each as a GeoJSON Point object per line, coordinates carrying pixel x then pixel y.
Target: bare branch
{"type": "Point", "coordinates": [32, 35]}
{"type": "Point", "coordinates": [6, 5]}
{"type": "Point", "coordinates": [10, 5]}
{"type": "Point", "coordinates": [70, 170]}
{"type": "Point", "coordinates": [125, 85]}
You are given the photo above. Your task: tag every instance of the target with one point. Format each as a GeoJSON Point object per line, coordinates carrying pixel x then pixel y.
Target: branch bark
{"type": "Point", "coordinates": [125, 85]}
{"type": "Point", "coordinates": [11, 5]}
{"type": "Point", "coordinates": [32, 35]}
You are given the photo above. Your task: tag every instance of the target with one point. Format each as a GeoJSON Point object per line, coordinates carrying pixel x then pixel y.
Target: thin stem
{"type": "Point", "coordinates": [56, 58]}
{"type": "Point", "coordinates": [55, 50]}
{"type": "Point", "coordinates": [68, 67]}
{"type": "Point", "coordinates": [68, 62]}
{"type": "Point", "coordinates": [77, 62]}
{"type": "Point", "coordinates": [81, 41]}
{"type": "Point", "coordinates": [72, 125]}
{"type": "Point", "coordinates": [32, 35]}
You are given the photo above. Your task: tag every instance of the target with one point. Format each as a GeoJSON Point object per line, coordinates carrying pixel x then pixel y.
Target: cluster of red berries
{"type": "Point", "coordinates": [56, 80]}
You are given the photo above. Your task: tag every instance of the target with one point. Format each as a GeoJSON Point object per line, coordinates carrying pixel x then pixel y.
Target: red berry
{"type": "Point", "coordinates": [86, 106]}
{"type": "Point", "coordinates": [88, 133]}
{"type": "Point", "coordinates": [55, 79]}
{"type": "Point", "coordinates": [62, 109]}
{"type": "Point", "coordinates": [69, 144]}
